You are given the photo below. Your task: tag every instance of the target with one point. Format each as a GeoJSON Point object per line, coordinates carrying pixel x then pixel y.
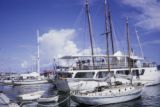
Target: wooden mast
{"type": "Point", "coordinates": [110, 26]}
{"type": "Point", "coordinates": [90, 31]}
{"type": "Point", "coordinates": [129, 47]}
{"type": "Point", "coordinates": [107, 35]}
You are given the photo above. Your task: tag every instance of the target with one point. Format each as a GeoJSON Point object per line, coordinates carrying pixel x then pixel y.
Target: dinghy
{"type": "Point", "coordinates": [30, 96]}
{"type": "Point", "coordinates": [47, 100]}
{"type": "Point", "coordinates": [7, 82]}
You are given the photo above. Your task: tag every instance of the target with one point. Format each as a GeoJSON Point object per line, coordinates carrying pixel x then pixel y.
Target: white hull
{"type": "Point", "coordinates": [99, 98]}
{"type": "Point", "coordinates": [50, 99]}
{"type": "Point", "coordinates": [29, 82]}
{"type": "Point", "coordinates": [150, 77]}
{"type": "Point", "coordinates": [7, 82]}
{"type": "Point", "coordinates": [30, 96]}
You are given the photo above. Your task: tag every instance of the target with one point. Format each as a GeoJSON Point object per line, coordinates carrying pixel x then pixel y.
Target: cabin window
{"type": "Point", "coordinates": [142, 72]}
{"type": "Point", "coordinates": [120, 72]}
{"type": "Point", "coordinates": [125, 72]}
{"type": "Point", "coordinates": [64, 75]}
{"type": "Point", "coordinates": [135, 72]}
{"type": "Point", "coordinates": [84, 75]}
{"type": "Point", "coordinates": [112, 72]}
{"type": "Point", "coordinates": [102, 74]}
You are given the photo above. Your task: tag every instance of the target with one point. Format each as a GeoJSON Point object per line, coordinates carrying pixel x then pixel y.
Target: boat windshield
{"type": "Point", "coordinates": [84, 75]}
{"type": "Point", "coordinates": [102, 74]}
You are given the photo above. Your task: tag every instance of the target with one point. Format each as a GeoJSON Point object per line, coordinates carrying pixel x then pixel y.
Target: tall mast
{"type": "Point", "coordinates": [38, 58]}
{"type": "Point", "coordinates": [90, 30]}
{"type": "Point", "coordinates": [129, 47]}
{"type": "Point", "coordinates": [110, 25]}
{"type": "Point", "coordinates": [107, 35]}
{"type": "Point", "coordinates": [139, 43]}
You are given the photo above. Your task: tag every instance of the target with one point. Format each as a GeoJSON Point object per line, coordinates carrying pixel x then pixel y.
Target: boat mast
{"type": "Point", "coordinates": [38, 58]}
{"type": "Point", "coordinates": [107, 35]}
{"type": "Point", "coordinates": [90, 30]}
{"type": "Point", "coordinates": [139, 43]}
{"type": "Point", "coordinates": [110, 26]}
{"type": "Point", "coordinates": [129, 47]}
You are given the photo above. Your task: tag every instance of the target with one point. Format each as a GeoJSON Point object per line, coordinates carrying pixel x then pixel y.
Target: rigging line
{"type": "Point", "coordinates": [116, 32]}
{"type": "Point", "coordinates": [139, 42]}
{"type": "Point", "coordinates": [94, 19]}
{"type": "Point", "coordinates": [97, 11]}
{"type": "Point", "coordinates": [115, 37]}
{"type": "Point", "coordinates": [85, 34]}
{"type": "Point", "coordinates": [78, 18]}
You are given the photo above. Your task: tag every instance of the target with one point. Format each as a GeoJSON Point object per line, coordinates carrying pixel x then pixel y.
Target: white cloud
{"type": "Point", "coordinates": [148, 13]}
{"type": "Point", "coordinates": [70, 48]}
{"type": "Point", "coordinates": [58, 43]}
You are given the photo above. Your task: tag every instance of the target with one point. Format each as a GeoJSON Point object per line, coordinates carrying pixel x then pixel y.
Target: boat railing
{"type": "Point", "coordinates": [105, 66]}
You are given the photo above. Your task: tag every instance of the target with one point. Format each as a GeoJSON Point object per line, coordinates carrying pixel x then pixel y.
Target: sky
{"type": "Point", "coordinates": [63, 30]}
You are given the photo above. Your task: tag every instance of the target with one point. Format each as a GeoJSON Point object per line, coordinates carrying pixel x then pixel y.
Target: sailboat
{"type": "Point", "coordinates": [114, 93]}
{"type": "Point", "coordinates": [33, 77]}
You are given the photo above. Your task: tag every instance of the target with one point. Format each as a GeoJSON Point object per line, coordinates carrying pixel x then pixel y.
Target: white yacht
{"type": "Point", "coordinates": [29, 79]}
{"type": "Point", "coordinates": [88, 69]}
{"type": "Point", "coordinates": [83, 77]}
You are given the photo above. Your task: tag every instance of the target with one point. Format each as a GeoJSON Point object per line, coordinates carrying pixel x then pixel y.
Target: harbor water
{"type": "Point", "coordinates": [150, 97]}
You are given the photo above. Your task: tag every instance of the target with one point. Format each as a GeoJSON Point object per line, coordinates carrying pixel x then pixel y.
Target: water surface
{"type": "Point", "coordinates": [150, 96]}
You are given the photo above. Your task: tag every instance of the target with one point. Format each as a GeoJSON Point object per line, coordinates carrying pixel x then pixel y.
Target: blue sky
{"type": "Point", "coordinates": [63, 21]}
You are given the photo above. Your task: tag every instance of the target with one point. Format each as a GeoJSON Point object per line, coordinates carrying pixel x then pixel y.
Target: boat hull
{"type": "Point", "coordinates": [30, 96]}
{"type": "Point", "coordinates": [7, 82]}
{"type": "Point", "coordinates": [29, 82]}
{"type": "Point", "coordinates": [106, 99]}
{"type": "Point", "coordinates": [46, 100]}
{"type": "Point", "coordinates": [151, 77]}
